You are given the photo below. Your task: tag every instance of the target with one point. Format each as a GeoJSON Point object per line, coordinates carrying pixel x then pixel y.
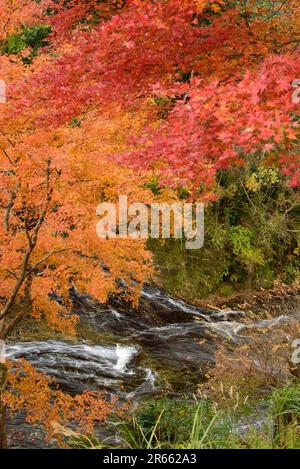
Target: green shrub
{"type": "Point", "coordinates": [252, 237]}
{"type": "Point", "coordinates": [242, 240]}
{"type": "Point", "coordinates": [175, 423]}
{"type": "Point", "coordinates": [32, 37]}
{"type": "Point", "coordinates": [182, 424]}
{"type": "Point", "coordinates": [285, 407]}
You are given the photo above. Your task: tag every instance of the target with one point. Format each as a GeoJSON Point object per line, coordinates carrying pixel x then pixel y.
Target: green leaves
{"type": "Point", "coordinates": [242, 242]}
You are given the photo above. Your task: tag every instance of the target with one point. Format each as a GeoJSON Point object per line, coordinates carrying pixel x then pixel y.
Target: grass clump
{"type": "Point", "coordinates": [170, 423]}
{"type": "Point", "coordinates": [182, 424]}
{"type": "Point", "coordinates": [285, 410]}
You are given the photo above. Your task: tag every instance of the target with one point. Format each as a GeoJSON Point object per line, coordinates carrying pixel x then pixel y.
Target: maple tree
{"type": "Point", "coordinates": [121, 90]}
{"type": "Point", "coordinates": [51, 183]}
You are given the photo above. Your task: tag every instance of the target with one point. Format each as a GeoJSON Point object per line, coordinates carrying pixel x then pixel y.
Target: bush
{"type": "Point", "coordinates": [251, 238]}
{"type": "Point", "coordinates": [176, 420]}
{"type": "Point", "coordinates": [33, 37]}
{"type": "Point", "coordinates": [182, 424]}
{"type": "Point", "coordinates": [169, 423]}
{"type": "Point", "coordinates": [285, 409]}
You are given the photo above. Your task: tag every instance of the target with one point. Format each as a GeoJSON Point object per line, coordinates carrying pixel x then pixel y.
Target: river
{"type": "Point", "coordinates": [164, 346]}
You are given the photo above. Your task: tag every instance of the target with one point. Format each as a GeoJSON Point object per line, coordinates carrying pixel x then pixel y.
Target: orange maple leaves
{"type": "Point", "coordinates": [38, 398]}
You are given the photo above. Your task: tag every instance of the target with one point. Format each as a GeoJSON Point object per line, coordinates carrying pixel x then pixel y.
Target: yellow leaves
{"type": "Point", "coordinates": [252, 183]}
{"type": "Point", "coordinates": [263, 176]}
{"type": "Point", "coordinates": [214, 5]}
{"type": "Point", "coordinates": [278, 347]}
{"type": "Point", "coordinates": [201, 4]}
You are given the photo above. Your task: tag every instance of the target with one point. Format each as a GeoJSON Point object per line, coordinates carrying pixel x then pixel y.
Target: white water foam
{"type": "Point", "coordinates": [124, 356]}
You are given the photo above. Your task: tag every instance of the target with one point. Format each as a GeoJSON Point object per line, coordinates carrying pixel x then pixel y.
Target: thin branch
{"type": "Point", "coordinates": [10, 326]}
{"type": "Point", "coordinates": [8, 208]}
{"type": "Point", "coordinates": [31, 245]}
{"type": "Point", "coordinates": [11, 273]}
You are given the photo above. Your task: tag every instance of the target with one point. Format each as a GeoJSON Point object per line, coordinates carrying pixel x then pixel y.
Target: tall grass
{"type": "Point", "coordinates": [285, 411]}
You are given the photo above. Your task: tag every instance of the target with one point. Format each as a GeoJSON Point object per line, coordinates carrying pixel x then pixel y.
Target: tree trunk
{"type": "Point", "coordinates": [3, 376]}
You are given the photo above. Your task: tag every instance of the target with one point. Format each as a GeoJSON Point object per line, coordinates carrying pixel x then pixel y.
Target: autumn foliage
{"type": "Point", "coordinates": [38, 397]}
{"type": "Point", "coordinates": [121, 91]}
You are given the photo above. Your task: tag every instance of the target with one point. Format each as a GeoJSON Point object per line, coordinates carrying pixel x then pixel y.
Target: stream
{"type": "Point", "coordinates": [165, 346]}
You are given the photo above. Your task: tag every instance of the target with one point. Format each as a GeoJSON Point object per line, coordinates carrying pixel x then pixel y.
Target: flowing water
{"type": "Point", "coordinates": [166, 345]}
